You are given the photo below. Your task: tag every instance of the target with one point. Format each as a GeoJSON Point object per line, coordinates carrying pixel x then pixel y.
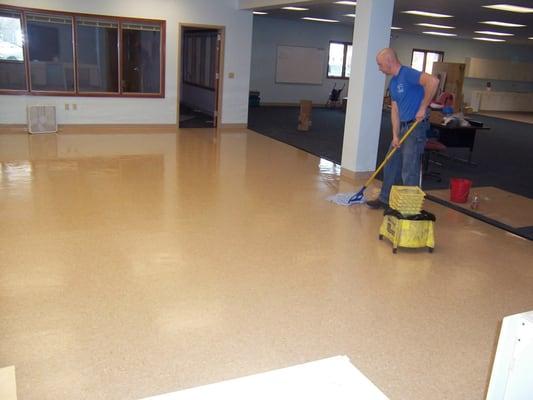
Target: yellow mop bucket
{"type": "Point", "coordinates": [414, 231]}
{"type": "Point", "coordinates": [408, 200]}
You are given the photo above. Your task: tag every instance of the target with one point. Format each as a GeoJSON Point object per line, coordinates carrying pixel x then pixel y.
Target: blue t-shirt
{"type": "Point", "coordinates": [406, 90]}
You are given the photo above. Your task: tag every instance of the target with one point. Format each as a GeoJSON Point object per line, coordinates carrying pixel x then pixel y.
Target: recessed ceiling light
{"type": "Point", "coordinates": [439, 33]}
{"type": "Point", "coordinates": [349, 15]}
{"type": "Point", "coordinates": [494, 33]}
{"type": "Point", "coordinates": [530, 38]}
{"type": "Point", "coordinates": [509, 7]}
{"type": "Point", "coordinates": [395, 28]}
{"type": "Point", "coordinates": [347, 3]}
{"type": "Point", "coordinates": [319, 19]}
{"type": "Point", "coordinates": [295, 8]}
{"type": "Point", "coordinates": [427, 14]}
{"type": "Point", "coordinates": [259, 12]}
{"type": "Point", "coordinates": [488, 39]}
{"type": "Point", "coordinates": [506, 24]}
{"type": "Point", "coordinates": [436, 26]}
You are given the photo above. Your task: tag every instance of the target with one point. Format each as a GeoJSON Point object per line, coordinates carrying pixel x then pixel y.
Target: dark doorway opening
{"type": "Point", "coordinates": [199, 77]}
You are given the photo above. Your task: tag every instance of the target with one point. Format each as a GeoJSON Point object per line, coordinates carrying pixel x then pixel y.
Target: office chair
{"type": "Point", "coordinates": [433, 146]}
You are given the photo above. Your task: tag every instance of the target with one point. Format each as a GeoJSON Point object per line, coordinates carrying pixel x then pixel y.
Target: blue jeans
{"type": "Point", "coordinates": [404, 165]}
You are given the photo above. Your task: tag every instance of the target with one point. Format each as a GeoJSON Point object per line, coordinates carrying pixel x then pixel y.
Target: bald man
{"type": "Point", "coordinates": [411, 92]}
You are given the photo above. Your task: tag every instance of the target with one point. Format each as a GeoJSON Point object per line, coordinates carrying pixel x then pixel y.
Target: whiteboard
{"type": "Point", "coordinates": [297, 64]}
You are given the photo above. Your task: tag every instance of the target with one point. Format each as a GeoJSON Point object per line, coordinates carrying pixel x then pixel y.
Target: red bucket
{"type": "Point", "coordinates": [459, 190]}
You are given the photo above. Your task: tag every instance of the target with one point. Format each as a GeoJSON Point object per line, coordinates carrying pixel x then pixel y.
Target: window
{"type": "Point", "coordinates": [51, 54]}
{"type": "Point", "coordinates": [141, 55]}
{"type": "Point", "coordinates": [80, 55]}
{"type": "Point", "coordinates": [97, 55]}
{"type": "Point", "coordinates": [348, 61]}
{"type": "Point", "coordinates": [423, 60]}
{"type": "Point", "coordinates": [340, 60]}
{"type": "Point", "coordinates": [12, 69]}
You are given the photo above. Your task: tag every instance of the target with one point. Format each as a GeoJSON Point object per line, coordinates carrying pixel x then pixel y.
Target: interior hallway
{"type": "Point", "coordinates": [138, 264]}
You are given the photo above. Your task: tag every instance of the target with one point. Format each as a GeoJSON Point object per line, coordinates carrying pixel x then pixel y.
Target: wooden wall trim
{"type": "Point", "coordinates": [353, 176]}
{"type": "Point", "coordinates": [233, 126]}
{"type": "Point", "coordinates": [293, 104]}
{"type": "Point", "coordinates": [96, 128]}
{"type": "Point", "coordinates": [118, 128]}
{"type": "Point", "coordinates": [13, 128]}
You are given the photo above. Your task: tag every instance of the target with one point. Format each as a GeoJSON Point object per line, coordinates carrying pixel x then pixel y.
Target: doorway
{"type": "Point", "coordinates": [199, 76]}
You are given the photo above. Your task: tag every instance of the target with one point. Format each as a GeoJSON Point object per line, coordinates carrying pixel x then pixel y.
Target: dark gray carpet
{"type": "Point", "coordinates": [324, 139]}
{"type": "Point", "coordinates": [526, 231]}
{"type": "Point", "coordinates": [503, 154]}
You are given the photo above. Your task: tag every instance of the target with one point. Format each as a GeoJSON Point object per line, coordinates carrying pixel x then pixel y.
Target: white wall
{"type": "Point", "coordinates": [457, 50]}
{"type": "Point", "coordinates": [238, 37]}
{"type": "Point", "coordinates": [268, 33]}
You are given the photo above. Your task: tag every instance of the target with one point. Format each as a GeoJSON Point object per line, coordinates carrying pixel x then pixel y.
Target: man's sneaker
{"type": "Point", "coordinates": [376, 204]}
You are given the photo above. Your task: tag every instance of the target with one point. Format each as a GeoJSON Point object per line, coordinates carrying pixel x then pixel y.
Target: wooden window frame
{"type": "Point", "coordinates": [76, 92]}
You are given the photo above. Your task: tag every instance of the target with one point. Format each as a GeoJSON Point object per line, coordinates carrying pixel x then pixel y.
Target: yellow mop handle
{"type": "Point", "coordinates": [391, 153]}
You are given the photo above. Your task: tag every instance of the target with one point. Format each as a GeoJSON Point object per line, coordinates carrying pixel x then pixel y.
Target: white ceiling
{"type": "Point", "coordinates": [466, 16]}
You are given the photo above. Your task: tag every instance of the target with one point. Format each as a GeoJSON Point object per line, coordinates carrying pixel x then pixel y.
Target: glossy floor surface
{"type": "Point", "coordinates": [508, 208]}
{"type": "Point", "coordinates": [138, 264]}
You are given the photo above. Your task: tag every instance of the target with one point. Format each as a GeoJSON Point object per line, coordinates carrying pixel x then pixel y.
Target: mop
{"type": "Point", "coordinates": [347, 199]}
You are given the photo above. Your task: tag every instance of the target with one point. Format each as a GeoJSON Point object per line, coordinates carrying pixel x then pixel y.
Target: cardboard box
{"type": "Point", "coordinates": [304, 119]}
{"type": "Point", "coordinates": [435, 117]}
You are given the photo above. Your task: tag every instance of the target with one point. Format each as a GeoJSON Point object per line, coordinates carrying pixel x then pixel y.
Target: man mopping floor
{"type": "Point", "coordinates": [411, 93]}
{"type": "Point", "coordinates": [348, 199]}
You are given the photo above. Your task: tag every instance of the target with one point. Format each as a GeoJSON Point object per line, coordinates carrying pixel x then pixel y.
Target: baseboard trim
{"type": "Point", "coordinates": [315, 105]}
{"type": "Point", "coordinates": [13, 128]}
{"type": "Point", "coordinates": [97, 128]}
{"type": "Point", "coordinates": [354, 176]}
{"type": "Point", "coordinates": [233, 126]}
{"type": "Point", "coordinates": [117, 128]}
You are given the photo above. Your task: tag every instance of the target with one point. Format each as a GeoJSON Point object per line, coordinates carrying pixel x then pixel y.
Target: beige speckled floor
{"type": "Point", "coordinates": [133, 265]}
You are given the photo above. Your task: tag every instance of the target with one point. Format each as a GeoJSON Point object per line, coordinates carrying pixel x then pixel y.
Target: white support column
{"type": "Point", "coordinates": [365, 96]}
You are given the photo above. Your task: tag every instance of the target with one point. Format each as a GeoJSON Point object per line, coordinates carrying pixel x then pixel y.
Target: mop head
{"type": "Point", "coordinates": [348, 199]}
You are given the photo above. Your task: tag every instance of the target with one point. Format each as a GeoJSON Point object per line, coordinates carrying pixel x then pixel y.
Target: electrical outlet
{"type": "Point", "coordinates": [231, 75]}
{"type": "Point", "coordinates": [74, 106]}
{"type": "Point", "coordinates": [67, 107]}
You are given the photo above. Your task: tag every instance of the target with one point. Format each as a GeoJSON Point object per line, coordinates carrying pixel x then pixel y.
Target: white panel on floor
{"type": "Point", "coordinates": [334, 378]}
{"type": "Point", "coordinates": [8, 384]}
{"type": "Point", "coordinates": [511, 372]}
